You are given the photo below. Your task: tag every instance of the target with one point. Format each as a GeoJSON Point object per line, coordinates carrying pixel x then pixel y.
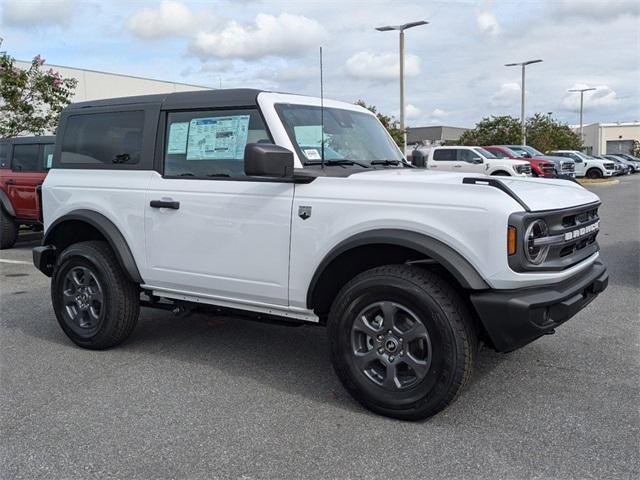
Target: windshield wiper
{"type": "Point", "coordinates": [332, 162]}
{"type": "Point", "coordinates": [385, 162]}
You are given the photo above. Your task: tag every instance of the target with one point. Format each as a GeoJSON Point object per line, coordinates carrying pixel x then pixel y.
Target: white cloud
{"type": "Point", "coordinates": [602, 96]}
{"type": "Point", "coordinates": [488, 23]}
{"type": "Point", "coordinates": [169, 19]}
{"type": "Point", "coordinates": [412, 112]}
{"type": "Point", "coordinates": [507, 96]}
{"type": "Point", "coordinates": [598, 9]}
{"type": "Point", "coordinates": [284, 35]}
{"type": "Point", "coordinates": [29, 13]}
{"type": "Point", "coordinates": [381, 66]}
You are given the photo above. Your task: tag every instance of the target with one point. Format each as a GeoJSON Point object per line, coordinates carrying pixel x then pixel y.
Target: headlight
{"type": "Point", "coordinates": [536, 254]}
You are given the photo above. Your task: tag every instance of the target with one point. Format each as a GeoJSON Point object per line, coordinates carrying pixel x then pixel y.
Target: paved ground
{"type": "Point", "coordinates": [202, 397]}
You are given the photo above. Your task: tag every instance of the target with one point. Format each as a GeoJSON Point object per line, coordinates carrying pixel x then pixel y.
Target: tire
{"type": "Point", "coordinates": [8, 230]}
{"type": "Point", "coordinates": [500, 173]}
{"type": "Point", "coordinates": [594, 173]}
{"type": "Point", "coordinates": [424, 306]}
{"type": "Point", "coordinates": [96, 304]}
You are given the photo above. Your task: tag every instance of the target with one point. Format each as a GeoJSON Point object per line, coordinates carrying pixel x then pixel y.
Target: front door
{"type": "Point", "coordinates": [469, 161]}
{"type": "Point", "coordinates": [27, 173]}
{"type": "Point", "coordinates": [210, 229]}
{"type": "Point", "coordinates": [581, 166]}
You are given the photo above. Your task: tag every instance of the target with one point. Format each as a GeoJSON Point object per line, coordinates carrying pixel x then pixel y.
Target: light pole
{"type": "Point", "coordinates": [581, 90]}
{"type": "Point", "coordinates": [522, 120]}
{"type": "Point", "coordinates": [401, 29]}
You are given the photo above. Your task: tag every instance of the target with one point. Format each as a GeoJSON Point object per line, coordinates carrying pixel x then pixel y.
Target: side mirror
{"type": "Point", "coordinates": [526, 155]}
{"type": "Point", "coordinates": [267, 160]}
{"type": "Point", "coordinates": [418, 159]}
{"type": "Point", "coordinates": [476, 160]}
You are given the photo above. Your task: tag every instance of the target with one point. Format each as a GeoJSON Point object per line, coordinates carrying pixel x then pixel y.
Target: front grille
{"type": "Point", "coordinates": [568, 167]}
{"type": "Point", "coordinates": [548, 169]}
{"type": "Point", "coordinates": [524, 169]}
{"type": "Point", "coordinates": [609, 166]}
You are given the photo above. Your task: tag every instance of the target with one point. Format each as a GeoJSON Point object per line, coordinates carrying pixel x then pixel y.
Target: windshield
{"type": "Point", "coordinates": [485, 153]}
{"type": "Point", "coordinates": [519, 149]}
{"type": "Point", "coordinates": [348, 135]}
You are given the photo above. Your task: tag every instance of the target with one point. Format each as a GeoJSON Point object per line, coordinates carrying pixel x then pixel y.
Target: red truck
{"type": "Point", "coordinates": [24, 162]}
{"type": "Point", "coordinates": [539, 167]}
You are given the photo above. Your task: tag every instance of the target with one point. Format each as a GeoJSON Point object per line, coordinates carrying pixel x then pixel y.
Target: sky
{"type": "Point", "coordinates": [455, 73]}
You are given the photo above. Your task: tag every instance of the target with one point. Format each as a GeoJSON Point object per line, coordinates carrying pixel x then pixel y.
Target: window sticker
{"type": "Point", "coordinates": [312, 154]}
{"type": "Point", "coordinates": [49, 160]}
{"type": "Point", "coordinates": [218, 138]}
{"type": "Point", "coordinates": [178, 133]}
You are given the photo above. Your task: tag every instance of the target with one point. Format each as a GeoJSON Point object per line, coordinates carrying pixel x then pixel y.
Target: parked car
{"type": "Point", "coordinates": [475, 160]}
{"type": "Point", "coordinates": [634, 165]}
{"type": "Point", "coordinates": [587, 166]}
{"type": "Point", "coordinates": [24, 162]}
{"type": "Point", "coordinates": [622, 167]}
{"type": "Point", "coordinates": [222, 200]}
{"type": "Point", "coordinates": [539, 167]}
{"type": "Point", "coordinates": [565, 167]}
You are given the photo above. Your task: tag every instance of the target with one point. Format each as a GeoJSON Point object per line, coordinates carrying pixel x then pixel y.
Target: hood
{"type": "Point", "coordinates": [551, 158]}
{"type": "Point", "coordinates": [536, 193]}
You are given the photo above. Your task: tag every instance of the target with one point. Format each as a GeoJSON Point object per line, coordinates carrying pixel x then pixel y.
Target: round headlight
{"type": "Point", "coordinates": [536, 254]}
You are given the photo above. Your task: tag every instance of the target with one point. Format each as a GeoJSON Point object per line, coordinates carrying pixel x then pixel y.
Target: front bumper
{"type": "Point", "coordinates": [514, 318]}
{"type": "Point", "coordinates": [44, 259]}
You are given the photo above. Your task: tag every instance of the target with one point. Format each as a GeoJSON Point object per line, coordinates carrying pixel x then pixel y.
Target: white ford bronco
{"type": "Point", "coordinates": [475, 160]}
{"type": "Point", "coordinates": [270, 206]}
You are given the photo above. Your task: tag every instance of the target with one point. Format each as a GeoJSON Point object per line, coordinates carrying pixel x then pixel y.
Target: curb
{"type": "Point", "coordinates": [592, 182]}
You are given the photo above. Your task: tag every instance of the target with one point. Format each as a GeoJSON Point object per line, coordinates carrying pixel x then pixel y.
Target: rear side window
{"type": "Point", "coordinates": [4, 155]}
{"type": "Point", "coordinates": [109, 139]}
{"type": "Point", "coordinates": [47, 152]}
{"type": "Point", "coordinates": [26, 158]}
{"type": "Point", "coordinates": [447, 154]}
{"type": "Point", "coordinates": [210, 144]}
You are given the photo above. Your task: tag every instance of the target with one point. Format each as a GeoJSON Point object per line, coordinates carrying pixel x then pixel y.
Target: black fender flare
{"type": "Point", "coordinates": [6, 204]}
{"type": "Point", "coordinates": [445, 255]}
{"type": "Point", "coordinates": [109, 231]}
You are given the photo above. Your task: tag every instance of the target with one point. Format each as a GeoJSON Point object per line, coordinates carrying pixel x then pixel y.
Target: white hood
{"type": "Point", "coordinates": [537, 193]}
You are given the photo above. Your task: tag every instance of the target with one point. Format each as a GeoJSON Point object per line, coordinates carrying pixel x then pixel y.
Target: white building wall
{"type": "Point", "coordinates": [597, 135]}
{"type": "Point", "coordinates": [94, 85]}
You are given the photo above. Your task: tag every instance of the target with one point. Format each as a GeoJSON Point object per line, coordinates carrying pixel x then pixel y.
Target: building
{"type": "Point", "coordinates": [439, 135]}
{"type": "Point", "coordinates": [602, 138]}
{"type": "Point", "coordinates": [93, 84]}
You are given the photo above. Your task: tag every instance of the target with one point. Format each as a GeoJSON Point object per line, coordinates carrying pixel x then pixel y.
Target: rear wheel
{"type": "Point", "coordinates": [402, 341]}
{"type": "Point", "coordinates": [95, 303]}
{"type": "Point", "coordinates": [8, 230]}
{"type": "Point", "coordinates": [594, 173]}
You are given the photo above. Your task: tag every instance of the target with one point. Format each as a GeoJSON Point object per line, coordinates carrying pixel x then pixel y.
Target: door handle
{"type": "Point", "coordinates": [457, 166]}
{"type": "Point", "coordinates": [10, 181]}
{"type": "Point", "coordinates": [165, 204]}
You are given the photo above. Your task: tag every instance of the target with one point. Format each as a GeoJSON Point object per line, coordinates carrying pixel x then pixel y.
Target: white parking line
{"type": "Point", "coordinates": [18, 262]}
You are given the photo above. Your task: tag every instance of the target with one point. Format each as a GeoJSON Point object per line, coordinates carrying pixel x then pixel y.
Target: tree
{"type": "Point", "coordinates": [390, 123]}
{"type": "Point", "coordinates": [544, 134]}
{"type": "Point", "coordinates": [495, 130]}
{"type": "Point", "coordinates": [31, 100]}
{"type": "Point", "coordinates": [635, 149]}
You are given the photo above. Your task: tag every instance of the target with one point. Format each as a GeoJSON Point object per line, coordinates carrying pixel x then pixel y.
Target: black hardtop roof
{"type": "Point", "coordinates": [235, 97]}
{"type": "Point", "coordinates": [27, 140]}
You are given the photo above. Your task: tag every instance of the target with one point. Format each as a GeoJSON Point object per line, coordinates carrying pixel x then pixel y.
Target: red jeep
{"type": "Point", "coordinates": [539, 167]}
{"type": "Point", "coordinates": [24, 162]}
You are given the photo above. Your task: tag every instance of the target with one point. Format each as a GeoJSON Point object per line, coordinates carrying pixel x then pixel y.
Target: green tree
{"type": "Point", "coordinates": [495, 130]}
{"type": "Point", "coordinates": [31, 100]}
{"type": "Point", "coordinates": [544, 134]}
{"type": "Point", "coordinates": [390, 123]}
{"type": "Point", "coordinates": [635, 149]}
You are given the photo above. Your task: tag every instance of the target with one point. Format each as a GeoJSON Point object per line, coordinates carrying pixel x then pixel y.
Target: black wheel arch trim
{"type": "Point", "coordinates": [109, 231]}
{"type": "Point", "coordinates": [449, 258]}
{"type": "Point", "coordinates": [6, 204]}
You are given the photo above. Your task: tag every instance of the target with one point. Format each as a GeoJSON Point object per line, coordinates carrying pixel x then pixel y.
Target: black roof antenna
{"type": "Point", "coordinates": [321, 114]}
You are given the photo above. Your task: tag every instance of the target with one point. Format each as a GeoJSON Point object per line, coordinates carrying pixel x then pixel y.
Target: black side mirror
{"type": "Point", "coordinates": [267, 160]}
{"type": "Point", "coordinates": [476, 160]}
{"type": "Point", "coordinates": [418, 159]}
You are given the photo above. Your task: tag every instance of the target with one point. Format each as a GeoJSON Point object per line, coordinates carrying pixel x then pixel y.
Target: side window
{"type": "Point", "coordinates": [109, 139]}
{"type": "Point", "coordinates": [26, 158]}
{"type": "Point", "coordinates": [445, 154]}
{"type": "Point", "coordinates": [210, 144]}
{"type": "Point", "coordinates": [47, 155]}
{"type": "Point", "coordinates": [498, 153]}
{"type": "Point", "coordinates": [4, 155]}
{"type": "Point", "coordinates": [575, 157]}
{"type": "Point", "coordinates": [466, 156]}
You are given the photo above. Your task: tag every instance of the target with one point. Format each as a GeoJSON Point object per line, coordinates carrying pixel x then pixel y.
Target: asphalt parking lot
{"type": "Point", "coordinates": [212, 397]}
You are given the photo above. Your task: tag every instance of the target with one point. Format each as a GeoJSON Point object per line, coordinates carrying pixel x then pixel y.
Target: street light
{"type": "Point", "coordinates": [522, 120]}
{"type": "Point", "coordinates": [581, 90]}
{"type": "Point", "coordinates": [401, 29]}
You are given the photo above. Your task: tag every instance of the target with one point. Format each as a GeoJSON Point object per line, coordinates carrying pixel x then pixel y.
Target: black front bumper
{"type": "Point", "coordinates": [44, 258]}
{"type": "Point", "coordinates": [514, 318]}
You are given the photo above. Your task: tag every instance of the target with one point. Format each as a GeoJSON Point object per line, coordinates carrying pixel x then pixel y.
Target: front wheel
{"type": "Point", "coordinates": [8, 230]}
{"type": "Point", "coordinates": [96, 304]}
{"type": "Point", "coordinates": [594, 173]}
{"type": "Point", "coordinates": [402, 341]}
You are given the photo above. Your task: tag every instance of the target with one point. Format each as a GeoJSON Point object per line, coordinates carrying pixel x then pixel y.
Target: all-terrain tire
{"type": "Point", "coordinates": [8, 230]}
{"type": "Point", "coordinates": [451, 338]}
{"type": "Point", "coordinates": [594, 173]}
{"type": "Point", "coordinates": [82, 270]}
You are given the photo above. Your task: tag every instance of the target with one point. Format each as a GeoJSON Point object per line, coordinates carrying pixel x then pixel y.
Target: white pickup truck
{"type": "Point", "coordinates": [475, 160]}
{"type": "Point", "coordinates": [267, 205]}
